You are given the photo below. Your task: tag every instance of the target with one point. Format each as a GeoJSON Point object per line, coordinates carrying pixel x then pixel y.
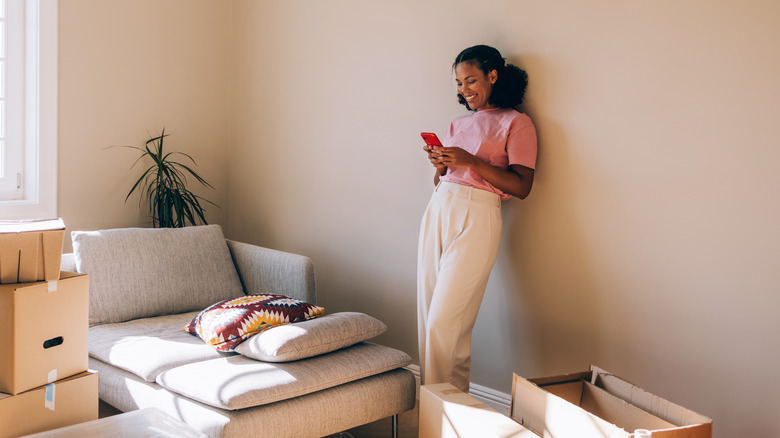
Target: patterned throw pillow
{"type": "Point", "coordinates": [227, 323]}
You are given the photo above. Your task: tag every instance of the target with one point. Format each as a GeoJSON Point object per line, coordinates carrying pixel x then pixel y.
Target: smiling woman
{"type": "Point", "coordinates": [476, 66]}
{"type": "Point", "coordinates": [486, 157]}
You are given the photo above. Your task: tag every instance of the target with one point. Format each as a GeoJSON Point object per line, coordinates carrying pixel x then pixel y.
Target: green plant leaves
{"type": "Point", "coordinates": [164, 185]}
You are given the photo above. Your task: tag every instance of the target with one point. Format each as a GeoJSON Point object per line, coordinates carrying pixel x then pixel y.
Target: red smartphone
{"type": "Point", "coordinates": [431, 139]}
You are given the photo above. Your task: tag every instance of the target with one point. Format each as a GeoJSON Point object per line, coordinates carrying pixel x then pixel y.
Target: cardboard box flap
{"type": "Point", "coordinates": [23, 226]}
{"type": "Point", "coordinates": [30, 250]}
{"type": "Point", "coordinates": [541, 381]}
{"type": "Point", "coordinates": [668, 411]}
{"type": "Point", "coordinates": [606, 406]}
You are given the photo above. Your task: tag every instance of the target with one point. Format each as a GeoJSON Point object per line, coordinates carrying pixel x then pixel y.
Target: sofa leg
{"type": "Point", "coordinates": [394, 426]}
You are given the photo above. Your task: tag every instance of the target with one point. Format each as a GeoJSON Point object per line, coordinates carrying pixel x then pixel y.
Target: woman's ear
{"type": "Point", "coordinates": [492, 76]}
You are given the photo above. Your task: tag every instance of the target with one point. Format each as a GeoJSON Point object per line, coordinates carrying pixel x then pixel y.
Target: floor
{"type": "Point", "coordinates": [407, 428]}
{"type": "Point", "coordinates": [407, 425]}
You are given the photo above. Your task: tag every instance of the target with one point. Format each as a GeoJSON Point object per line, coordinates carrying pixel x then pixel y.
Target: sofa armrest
{"type": "Point", "coordinates": [264, 270]}
{"type": "Point", "coordinates": [68, 262]}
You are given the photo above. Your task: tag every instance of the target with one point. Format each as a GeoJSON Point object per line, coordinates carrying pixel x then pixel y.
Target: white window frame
{"type": "Point", "coordinates": [11, 98]}
{"type": "Point", "coordinates": [39, 179]}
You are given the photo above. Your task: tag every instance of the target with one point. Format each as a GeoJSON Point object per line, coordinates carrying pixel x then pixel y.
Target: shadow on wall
{"type": "Point", "coordinates": [548, 272]}
{"type": "Point", "coordinates": [545, 262]}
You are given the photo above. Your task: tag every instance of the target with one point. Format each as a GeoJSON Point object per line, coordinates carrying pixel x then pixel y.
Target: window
{"type": "Point", "coordinates": [28, 108]}
{"type": "Point", "coordinates": [11, 98]}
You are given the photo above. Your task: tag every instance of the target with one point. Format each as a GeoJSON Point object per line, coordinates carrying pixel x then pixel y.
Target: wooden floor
{"type": "Point", "coordinates": [407, 425]}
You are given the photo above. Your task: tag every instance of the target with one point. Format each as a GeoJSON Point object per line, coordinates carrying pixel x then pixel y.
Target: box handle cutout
{"type": "Point", "coordinates": [53, 342]}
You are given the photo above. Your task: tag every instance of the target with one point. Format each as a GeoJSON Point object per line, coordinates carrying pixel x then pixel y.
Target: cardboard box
{"type": "Point", "coordinates": [30, 250]}
{"type": "Point", "coordinates": [44, 328]}
{"type": "Point", "coordinates": [68, 401]}
{"type": "Point", "coordinates": [598, 404]}
{"type": "Point", "coordinates": [445, 411]}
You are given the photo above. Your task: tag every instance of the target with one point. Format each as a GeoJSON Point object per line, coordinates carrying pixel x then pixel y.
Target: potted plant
{"type": "Point", "coordinates": [164, 185]}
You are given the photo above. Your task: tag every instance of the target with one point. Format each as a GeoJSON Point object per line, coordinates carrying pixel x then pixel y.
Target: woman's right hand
{"type": "Point", "coordinates": [434, 155]}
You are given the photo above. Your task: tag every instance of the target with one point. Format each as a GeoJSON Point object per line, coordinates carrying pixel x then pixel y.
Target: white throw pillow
{"type": "Point", "coordinates": [311, 338]}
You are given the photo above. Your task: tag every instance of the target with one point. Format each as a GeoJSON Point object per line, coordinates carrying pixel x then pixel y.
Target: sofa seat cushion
{"type": "Point", "coordinates": [148, 346]}
{"type": "Point", "coordinates": [238, 382]}
{"type": "Point", "coordinates": [143, 272]}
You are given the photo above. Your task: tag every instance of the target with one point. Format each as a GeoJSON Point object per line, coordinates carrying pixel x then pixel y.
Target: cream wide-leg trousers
{"type": "Point", "coordinates": [459, 239]}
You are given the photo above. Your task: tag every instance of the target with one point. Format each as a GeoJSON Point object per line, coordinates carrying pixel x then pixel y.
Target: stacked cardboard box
{"type": "Point", "coordinates": [447, 412]}
{"type": "Point", "coordinates": [589, 404]}
{"type": "Point", "coordinates": [30, 250]}
{"type": "Point", "coordinates": [44, 321]}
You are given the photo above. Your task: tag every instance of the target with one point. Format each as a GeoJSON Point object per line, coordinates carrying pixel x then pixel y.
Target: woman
{"type": "Point", "coordinates": [486, 157]}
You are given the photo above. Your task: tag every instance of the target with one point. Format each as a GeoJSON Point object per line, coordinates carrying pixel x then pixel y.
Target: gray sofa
{"type": "Point", "coordinates": [147, 284]}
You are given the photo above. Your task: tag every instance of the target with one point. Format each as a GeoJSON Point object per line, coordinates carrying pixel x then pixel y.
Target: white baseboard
{"type": "Point", "coordinates": [415, 369]}
{"type": "Point", "coordinates": [497, 400]}
{"type": "Point", "coordinates": [500, 401]}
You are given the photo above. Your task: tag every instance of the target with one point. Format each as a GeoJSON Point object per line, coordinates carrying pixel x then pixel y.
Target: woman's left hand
{"type": "Point", "coordinates": [515, 180]}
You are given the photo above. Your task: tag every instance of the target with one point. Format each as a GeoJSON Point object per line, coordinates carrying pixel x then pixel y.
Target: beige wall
{"type": "Point", "coordinates": [647, 246]}
{"type": "Point", "coordinates": [128, 69]}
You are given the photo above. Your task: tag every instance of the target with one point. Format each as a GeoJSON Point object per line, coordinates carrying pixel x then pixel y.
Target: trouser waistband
{"type": "Point", "coordinates": [468, 192]}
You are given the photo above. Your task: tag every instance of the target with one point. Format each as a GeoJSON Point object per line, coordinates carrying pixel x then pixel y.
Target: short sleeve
{"type": "Point", "coordinates": [521, 142]}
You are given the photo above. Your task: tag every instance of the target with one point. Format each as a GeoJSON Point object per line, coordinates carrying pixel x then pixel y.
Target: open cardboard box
{"type": "Point", "coordinates": [30, 250]}
{"type": "Point", "coordinates": [45, 329]}
{"type": "Point", "coordinates": [63, 403]}
{"type": "Point", "coordinates": [447, 412]}
{"type": "Point", "coordinates": [598, 404]}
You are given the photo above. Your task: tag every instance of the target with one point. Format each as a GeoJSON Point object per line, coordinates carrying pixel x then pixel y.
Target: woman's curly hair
{"type": "Point", "coordinates": [511, 82]}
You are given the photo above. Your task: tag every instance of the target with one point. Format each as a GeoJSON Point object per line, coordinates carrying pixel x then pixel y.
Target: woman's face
{"type": "Point", "coordinates": [474, 85]}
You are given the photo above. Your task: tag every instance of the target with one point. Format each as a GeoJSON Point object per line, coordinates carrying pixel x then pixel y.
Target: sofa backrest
{"type": "Point", "coordinates": [142, 272]}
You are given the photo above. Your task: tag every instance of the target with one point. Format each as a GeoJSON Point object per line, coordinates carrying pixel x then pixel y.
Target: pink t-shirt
{"type": "Point", "coordinates": [500, 136]}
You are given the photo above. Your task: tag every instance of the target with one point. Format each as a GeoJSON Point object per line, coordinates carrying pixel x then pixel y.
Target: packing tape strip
{"type": "Point", "coordinates": [49, 402]}
{"type": "Point", "coordinates": [52, 377]}
{"type": "Point", "coordinates": [642, 433]}
{"type": "Point", "coordinates": [52, 286]}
